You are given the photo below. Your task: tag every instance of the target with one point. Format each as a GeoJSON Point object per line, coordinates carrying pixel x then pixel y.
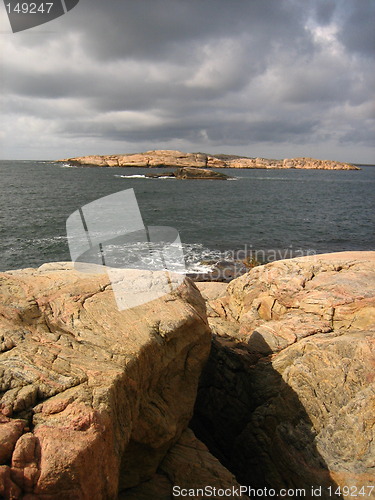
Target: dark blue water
{"type": "Point", "coordinates": [294, 210]}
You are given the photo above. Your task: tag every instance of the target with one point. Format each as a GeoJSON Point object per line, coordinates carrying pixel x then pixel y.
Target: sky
{"type": "Point", "coordinates": [268, 78]}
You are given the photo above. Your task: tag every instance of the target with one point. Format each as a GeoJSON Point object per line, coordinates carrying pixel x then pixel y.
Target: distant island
{"type": "Point", "coordinates": [178, 159]}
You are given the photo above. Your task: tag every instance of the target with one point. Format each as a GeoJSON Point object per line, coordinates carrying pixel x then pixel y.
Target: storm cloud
{"type": "Point", "coordinates": [272, 78]}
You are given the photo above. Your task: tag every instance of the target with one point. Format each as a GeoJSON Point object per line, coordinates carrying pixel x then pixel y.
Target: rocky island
{"type": "Point", "coordinates": [273, 372]}
{"type": "Point", "coordinates": [178, 159]}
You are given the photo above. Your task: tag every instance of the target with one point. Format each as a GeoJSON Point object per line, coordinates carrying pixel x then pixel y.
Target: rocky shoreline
{"type": "Point", "coordinates": [178, 159]}
{"type": "Point", "coordinates": [274, 372]}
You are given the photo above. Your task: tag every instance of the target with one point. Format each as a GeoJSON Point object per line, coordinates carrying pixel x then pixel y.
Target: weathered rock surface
{"type": "Point", "coordinates": [211, 290]}
{"type": "Point", "coordinates": [191, 173]}
{"type": "Point", "coordinates": [171, 158]}
{"type": "Point", "coordinates": [190, 466]}
{"type": "Point", "coordinates": [94, 400]}
{"type": "Point", "coordinates": [287, 300]}
{"type": "Point", "coordinates": [91, 398]}
{"type": "Point", "coordinates": [288, 396]}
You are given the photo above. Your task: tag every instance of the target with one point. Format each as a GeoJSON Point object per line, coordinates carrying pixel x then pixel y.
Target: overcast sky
{"type": "Point", "coordinates": [271, 78]}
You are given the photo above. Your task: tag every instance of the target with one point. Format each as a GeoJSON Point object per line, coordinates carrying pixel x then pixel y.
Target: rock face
{"type": "Point", "coordinates": [171, 158]}
{"type": "Point", "coordinates": [287, 399]}
{"type": "Point", "coordinates": [92, 398]}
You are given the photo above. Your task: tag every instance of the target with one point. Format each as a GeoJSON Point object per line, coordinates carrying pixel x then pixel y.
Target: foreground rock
{"type": "Point", "coordinates": [192, 173]}
{"type": "Point", "coordinates": [92, 398]}
{"type": "Point", "coordinates": [171, 158]}
{"type": "Point", "coordinates": [188, 466]}
{"type": "Point", "coordinates": [288, 397]}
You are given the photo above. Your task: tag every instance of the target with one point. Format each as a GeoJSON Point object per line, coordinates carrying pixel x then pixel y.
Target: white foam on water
{"type": "Point", "coordinates": [140, 176]}
{"type": "Point", "coordinates": [136, 176]}
{"type": "Point", "coordinates": [200, 269]}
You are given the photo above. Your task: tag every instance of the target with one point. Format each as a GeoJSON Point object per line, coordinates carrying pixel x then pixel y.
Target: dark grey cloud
{"type": "Point", "coordinates": [357, 31]}
{"type": "Point", "coordinates": [194, 74]}
{"type": "Point", "coordinates": [160, 29]}
{"type": "Point", "coordinates": [324, 10]}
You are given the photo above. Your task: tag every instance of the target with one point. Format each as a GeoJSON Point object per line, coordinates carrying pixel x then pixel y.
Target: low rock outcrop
{"type": "Point", "coordinates": [191, 173]}
{"type": "Point", "coordinates": [171, 158]}
{"type": "Point", "coordinates": [92, 398]}
{"type": "Point", "coordinates": [287, 399]}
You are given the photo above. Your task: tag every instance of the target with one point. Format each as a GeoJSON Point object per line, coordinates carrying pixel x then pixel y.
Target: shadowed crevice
{"type": "Point", "coordinates": [254, 423]}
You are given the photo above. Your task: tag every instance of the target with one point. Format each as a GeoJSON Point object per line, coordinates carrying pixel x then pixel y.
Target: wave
{"type": "Point", "coordinates": [192, 258]}
{"type": "Point", "coordinates": [41, 241]}
{"type": "Point", "coordinates": [187, 258]}
{"type": "Point", "coordinates": [68, 165]}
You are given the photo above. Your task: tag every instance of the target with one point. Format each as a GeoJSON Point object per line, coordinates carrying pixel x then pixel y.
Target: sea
{"type": "Point", "coordinates": [261, 214]}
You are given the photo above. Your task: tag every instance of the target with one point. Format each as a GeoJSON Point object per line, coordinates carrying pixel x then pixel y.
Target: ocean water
{"type": "Point", "coordinates": [274, 213]}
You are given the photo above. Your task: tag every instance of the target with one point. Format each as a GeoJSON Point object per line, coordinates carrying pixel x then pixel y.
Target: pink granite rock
{"type": "Point", "coordinates": [92, 397]}
{"type": "Point", "coordinates": [288, 395]}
